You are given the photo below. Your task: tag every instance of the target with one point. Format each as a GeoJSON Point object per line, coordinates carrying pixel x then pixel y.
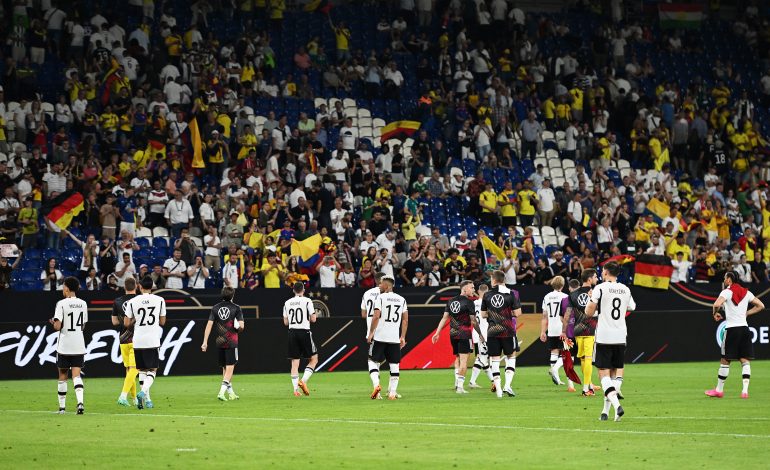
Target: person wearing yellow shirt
{"type": "Point", "coordinates": [506, 65]}
{"type": "Point", "coordinates": [549, 113]}
{"type": "Point", "coordinates": [3, 139]}
{"type": "Point", "coordinates": [563, 114]}
{"type": "Point", "coordinates": [658, 152]}
{"type": "Point", "coordinates": [272, 270]}
{"type": "Point", "coordinates": [248, 142]}
{"type": "Point", "coordinates": [174, 44]}
{"type": "Point", "coordinates": [507, 201]}
{"type": "Point", "coordinates": [342, 39]}
{"type": "Point", "coordinates": [577, 103]}
{"type": "Point", "coordinates": [723, 225]}
{"type": "Point", "coordinates": [218, 154]}
{"type": "Point", "coordinates": [247, 74]}
{"type": "Point", "coordinates": [527, 202]}
{"type": "Point", "coordinates": [382, 192]}
{"type": "Point", "coordinates": [721, 94]}
{"type": "Point", "coordinates": [488, 203]}
{"type": "Point", "coordinates": [644, 228]}
{"type": "Point", "coordinates": [408, 228]}
{"type": "Point", "coordinates": [741, 163]}
{"type": "Point", "coordinates": [108, 123]}
{"type": "Point", "coordinates": [605, 153]}
{"type": "Point", "coordinates": [678, 245]}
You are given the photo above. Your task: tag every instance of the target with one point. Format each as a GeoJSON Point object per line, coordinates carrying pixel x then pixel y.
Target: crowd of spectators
{"type": "Point", "coordinates": [491, 99]}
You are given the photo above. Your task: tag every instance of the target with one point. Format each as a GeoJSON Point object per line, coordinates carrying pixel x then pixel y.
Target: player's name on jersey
{"type": "Point", "coordinates": [103, 343]}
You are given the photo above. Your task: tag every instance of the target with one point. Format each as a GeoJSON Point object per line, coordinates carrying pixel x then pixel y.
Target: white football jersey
{"type": "Point", "coordinates": [147, 310]}
{"type": "Point", "coordinates": [482, 322]}
{"type": "Point", "coordinates": [552, 307]}
{"type": "Point", "coordinates": [73, 315]}
{"type": "Point", "coordinates": [298, 310]}
{"type": "Point", "coordinates": [392, 309]}
{"type": "Point", "coordinates": [735, 315]}
{"type": "Point", "coordinates": [613, 300]}
{"type": "Point", "coordinates": [367, 303]}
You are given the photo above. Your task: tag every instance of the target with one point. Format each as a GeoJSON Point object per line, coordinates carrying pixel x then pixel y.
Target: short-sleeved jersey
{"type": "Point", "coordinates": [73, 315]}
{"type": "Point", "coordinates": [555, 303]}
{"type": "Point", "coordinates": [146, 309]}
{"type": "Point", "coordinates": [483, 325]}
{"type": "Point", "coordinates": [119, 311]}
{"type": "Point", "coordinates": [735, 314]}
{"type": "Point", "coordinates": [500, 303]}
{"type": "Point", "coordinates": [392, 308]}
{"type": "Point", "coordinates": [613, 300]}
{"type": "Point", "coordinates": [367, 303]}
{"type": "Point", "coordinates": [578, 299]}
{"type": "Point", "coordinates": [298, 311]}
{"type": "Point", "coordinates": [225, 333]}
{"type": "Point", "coordinates": [460, 310]}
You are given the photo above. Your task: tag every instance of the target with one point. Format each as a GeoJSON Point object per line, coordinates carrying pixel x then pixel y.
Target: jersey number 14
{"type": "Point", "coordinates": [75, 322]}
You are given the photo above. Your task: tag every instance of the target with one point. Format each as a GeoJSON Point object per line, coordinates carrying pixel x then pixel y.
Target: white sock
{"type": "Point", "coordinates": [142, 376]}
{"type": "Point", "coordinates": [230, 386]}
{"type": "Point", "coordinates": [570, 384]}
{"type": "Point", "coordinates": [457, 376]}
{"type": "Point", "coordinates": [124, 395]}
{"type": "Point", "coordinates": [374, 373]}
{"type": "Point", "coordinates": [475, 372]}
{"type": "Point", "coordinates": [606, 408]}
{"type": "Point", "coordinates": [746, 371]}
{"type": "Point", "coordinates": [558, 365]}
{"type": "Point", "coordinates": [294, 382]}
{"type": "Point", "coordinates": [62, 387]}
{"type": "Point", "coordinates": [610, 392]}
{"type": "Point", "coordinates": [509, 372]}
{"type": "Point", "coordinates": [223, 387]}
{"type": "Point", "coordinates": [553, 362]}
{"type": "Point", "coordinates": [148, 380]}
{"type": "Point", "coordinates": [495, 365]}
{"type": "Point", "coordinates": [511, 362]}
{"type": "Point", "coordinates": [78, 383]}
{"type": "Point", "coordinates": [461, 382]}
{"type": "Point", "coordinates": [394, 375]}
{"type": "Point", "coordinates": [489, 373]}
{"type": "Point", "coordinates": [724, 371]}
{"type": "Point", "coordinates": [308, 372]}
{"type": "Point", "coordinates": [618, 382]}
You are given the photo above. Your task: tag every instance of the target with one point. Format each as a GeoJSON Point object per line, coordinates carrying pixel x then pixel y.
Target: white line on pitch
{"type": "Point", "coordinates": [187, 450]}
{"type": "Point", "coordinates": [409, 423]}
{"type": "Point", "coordinates": [318, 369]}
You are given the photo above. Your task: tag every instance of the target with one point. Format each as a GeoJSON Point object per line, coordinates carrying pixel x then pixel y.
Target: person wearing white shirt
{"type": "Point", "coordinates": [327, 272]}
{"type": "Point", "coordinates": [178, 214]}
{"type": "Point", "coordinates": [349, 136]}
{"type": "Point", "coordinates": [124, 269]}
{"type": "Point", "coordinates": [338, 167]}
{"type": "Point", "coordinates": [386, 240]}
{"type": "Point", "coordinates": [462, 78]}
{"type": "Point", "coordinates": [197, 274]}
{"type": "Point", "coordinates": [230, 274]}
{"type": "Point", "coordinates": [336, 215]}
{"type": "Point", "coordinates": [174, 270]}
{"type": "Point", "coordinates": [385, 159]}
{"type": "Point", "coordinates": [295, 196]}
{"type": "Point", "coordinates": [168, 71]}
{"type": "Point", "coordinates": [682, 268]}
{"type": "Point", "coordinates": [173, 91]}
{"type": "Point", "coordinates": [545, 199]}
{"type": "Point", "coordinates": [281, 134]}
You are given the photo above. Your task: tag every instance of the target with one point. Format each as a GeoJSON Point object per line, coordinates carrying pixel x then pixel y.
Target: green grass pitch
{"type": "Point", "coordinates": [669, 423]}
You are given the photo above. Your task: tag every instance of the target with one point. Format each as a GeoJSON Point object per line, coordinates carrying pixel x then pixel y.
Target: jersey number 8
{"type": "Point", "coordinates": [615, 313]}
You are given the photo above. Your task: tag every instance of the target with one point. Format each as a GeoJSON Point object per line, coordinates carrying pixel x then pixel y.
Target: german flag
{"type": "Point", "coordinates": [620, 259]}
{"type": "Point", "coordinates": [399, 130]}
{"type": "Point", "coordinates": [653, 271]}
{"type": "Point", "coordinates": [321, 6]}
{"type": "Point", "coordinates": [61, 209]}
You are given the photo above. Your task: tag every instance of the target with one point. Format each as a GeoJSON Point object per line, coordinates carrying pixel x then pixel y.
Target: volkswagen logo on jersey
{"type": "Point", "coordinates": [583, 299]}
{"type": "Point", "coordinates": [223, 313]}
{"type": "Point", "coordinates": [497, 300]}
{"type": "Point", "coordinates": [721, 332]}
{"type": "Point", "coordinates": [454, 307]}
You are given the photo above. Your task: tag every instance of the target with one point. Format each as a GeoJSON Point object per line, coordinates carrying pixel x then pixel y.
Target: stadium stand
{"type": "Point", "coordinates": [547, 142]}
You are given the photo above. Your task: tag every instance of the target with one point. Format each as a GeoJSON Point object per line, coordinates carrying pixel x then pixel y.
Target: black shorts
{"type": "Point", "coordinates": [389, 352]}
{"type": "Point", "coordinates": [67, 361]}
{"type": "Point", "coordinates": [502, 346]}
{"type": "Point", "coordinates": [609, 356]}
{"type": "Point", "coordinates": [228, 357]}
{"type": "Point", "coordinates": [461, 346]}
{"type": "Point", "coordinates": [147, 359]}
{"type": "Point", "coordinates": [737, 343]}
{"type": "Point", "coordinates": [301, 345]}
{"type": "Point", "coordinates": [554, 342]}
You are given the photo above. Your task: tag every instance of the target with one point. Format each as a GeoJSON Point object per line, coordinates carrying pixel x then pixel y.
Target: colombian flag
{"type": "Point", "coordinates": [658, 209]}
{"type": "Point", "coordinates": [307, 252]}
{"type": "Point", "coordinates": [399, 130]}
{"type": "Point", "coordinates": [491, 247]}
{"type": "Point", "coordinates": [653, 271]}
{"type": "Point", "coordinates": [60, 210]}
